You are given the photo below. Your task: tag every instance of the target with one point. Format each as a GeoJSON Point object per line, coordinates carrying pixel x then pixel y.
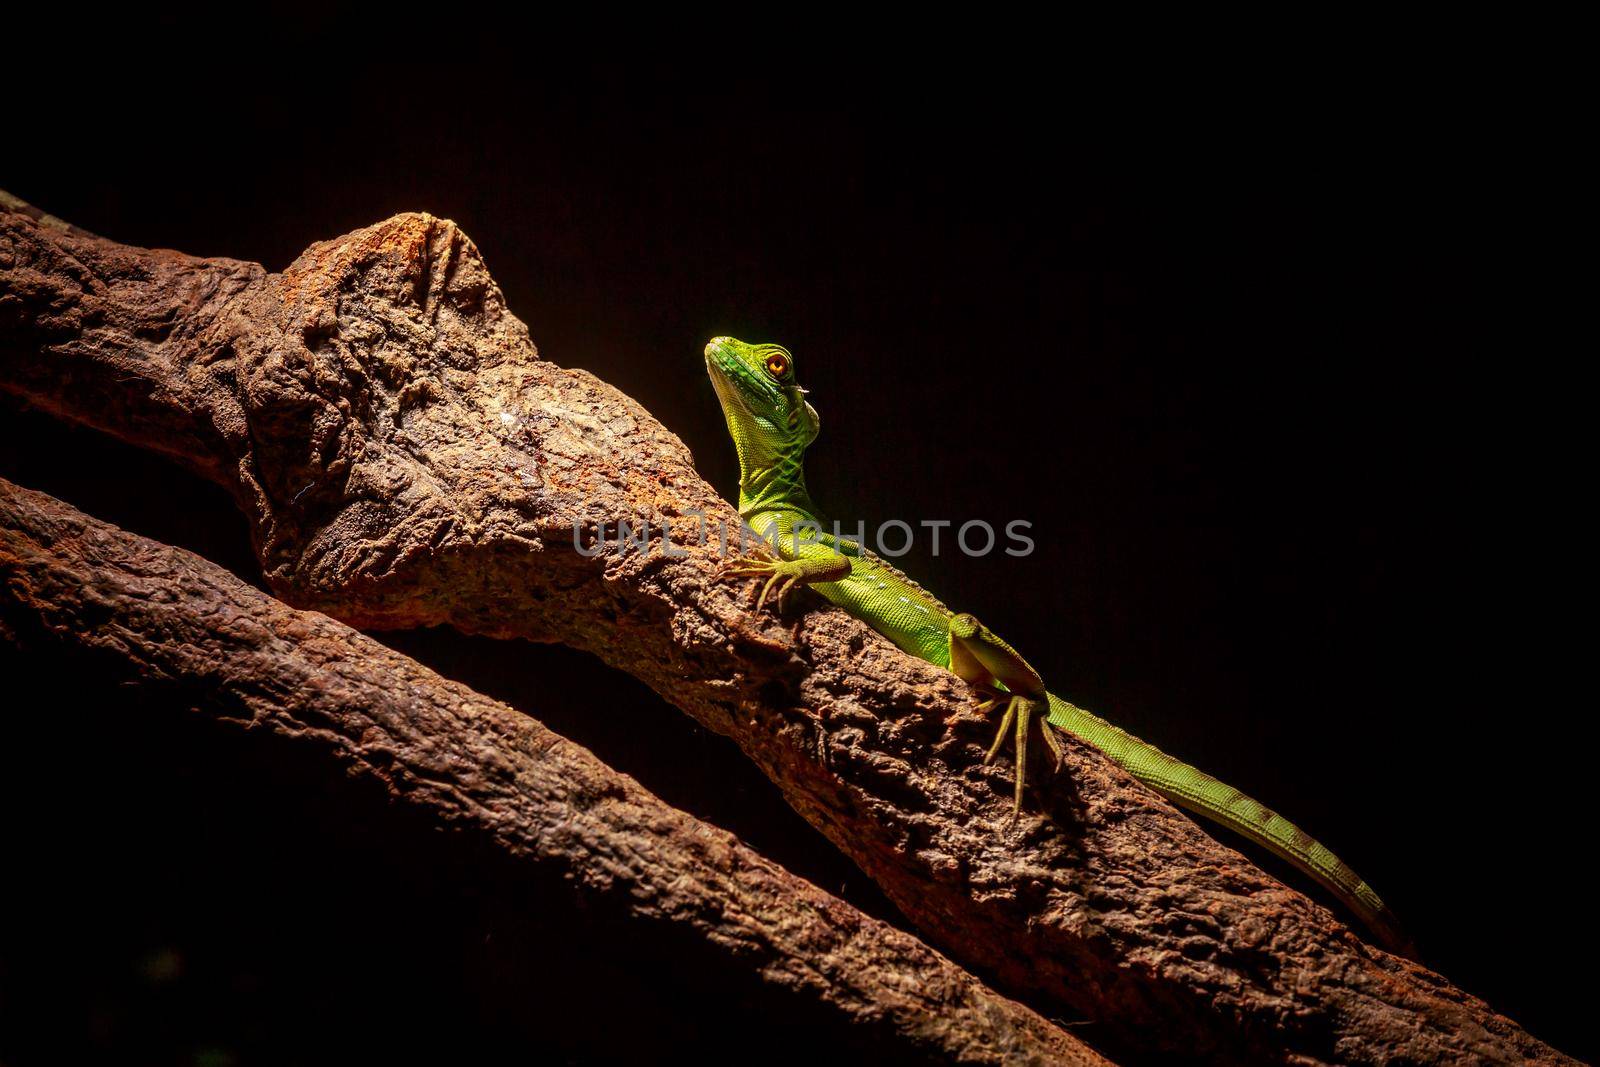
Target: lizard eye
{"type": "Point", "coordinates": [777, 364]}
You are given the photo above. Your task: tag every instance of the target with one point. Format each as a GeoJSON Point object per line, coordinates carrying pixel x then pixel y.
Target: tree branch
{"type": "Point", "coordinates": [173, 625]}
{"type": "Point", "coordinates": [405, 458]}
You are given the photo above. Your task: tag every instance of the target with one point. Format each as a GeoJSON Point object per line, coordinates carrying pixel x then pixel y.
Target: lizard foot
{"type": "Point", "coordinates": [1020, 711]}
{"type": "Point", "coordinates": [782, 574]}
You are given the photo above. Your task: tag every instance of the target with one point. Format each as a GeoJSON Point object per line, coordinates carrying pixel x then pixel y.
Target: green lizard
{"type": "Point", "coordinates": [772, 425]}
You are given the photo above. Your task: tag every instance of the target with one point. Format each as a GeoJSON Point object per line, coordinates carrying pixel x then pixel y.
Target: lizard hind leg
{"type": "Point", "coordinates": [1017, 720]}
{"type": "Point", "coordinates": [978, 656]}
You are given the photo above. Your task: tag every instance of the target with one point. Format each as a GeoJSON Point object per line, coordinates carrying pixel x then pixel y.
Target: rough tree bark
{"type": "Point", "coordinates": [166, 621]}
{"type": "Point", "coordinates": [406, 458]}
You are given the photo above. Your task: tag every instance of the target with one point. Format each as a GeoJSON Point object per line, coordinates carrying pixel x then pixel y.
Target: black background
{"type": "Point", "coordinates": [1253, 339]}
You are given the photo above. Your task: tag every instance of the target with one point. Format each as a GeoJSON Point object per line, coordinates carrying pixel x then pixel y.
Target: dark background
{"type": "Point", "coordinates": [1255, 339]}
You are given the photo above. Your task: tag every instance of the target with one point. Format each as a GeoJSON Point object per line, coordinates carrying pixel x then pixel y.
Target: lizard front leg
{"type": "Point", "coordinates": [809, 564]}
{"type": "Point", "coordinates": [982, 657]}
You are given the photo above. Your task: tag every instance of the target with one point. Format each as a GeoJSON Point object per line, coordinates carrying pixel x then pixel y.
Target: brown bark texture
{"type": "Point", "coordinates": [406, 458]}
{"type": "Point", "coordinates": [168, 622]}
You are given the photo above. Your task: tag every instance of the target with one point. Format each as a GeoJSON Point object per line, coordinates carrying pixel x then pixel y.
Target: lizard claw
{"type": "Point", "coordinates": [779, 575]}
{"type": "Point", "coordinates": [784, 583]}
{"type": "Point", "coordinates": [747, 566]}
{"type": "Point", "coordinates": [989, 696]}
{"type": "Point", "coordinates": [1020, 712]}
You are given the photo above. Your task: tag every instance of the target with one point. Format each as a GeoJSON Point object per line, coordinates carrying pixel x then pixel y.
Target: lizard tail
{"type": "Point", "coordinates": [1199, 792]}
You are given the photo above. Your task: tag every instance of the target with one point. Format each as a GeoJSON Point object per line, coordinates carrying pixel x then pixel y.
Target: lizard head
{"type": "Point", "coordinates": [768, 417]}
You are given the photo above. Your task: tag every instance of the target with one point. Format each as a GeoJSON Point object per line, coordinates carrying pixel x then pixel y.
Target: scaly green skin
{"type": "Point", "coordinates": [771, 425]}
